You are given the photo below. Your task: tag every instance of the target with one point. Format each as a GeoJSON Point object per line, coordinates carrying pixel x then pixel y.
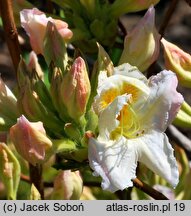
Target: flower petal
{"type": "Point", "coordinates": [130, 71]}
{"type": "Point", "coordinates": [157, 154]}
{"type": "Point", "coordinates": [115, 162]}
{"type": "Point", "coordinates": [163, 102]}
{"type": "Point", "coordinates": [34, 22]}
{"type": "Point", "coordinates": [118, 85]}
{"type": "Point", "coordinates": [30, 140]}
{"type": "Point", "coordinates": [108, 117]}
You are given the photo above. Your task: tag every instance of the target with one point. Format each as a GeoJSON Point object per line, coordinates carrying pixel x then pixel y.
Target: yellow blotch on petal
{"type": "Point", "coordinates": [108, 97]}
{"type": "Point", "coordinates": [131, 89]}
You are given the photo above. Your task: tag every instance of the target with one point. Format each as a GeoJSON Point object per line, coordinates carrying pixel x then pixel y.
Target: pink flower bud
{"type": "Point", "coordinates": [178, 61]}
{"type": "Point", "coordinates": [75, 89]}
{"type": "Point", "coordinates": [34, 22]}
{"type": "Point", "coordinates": [34, 65]}
{"type": "Point", "coordinates": [67, 185]}
{"type": "Point", "coordinates": [142, 44]}
{"type": "Point", "coordinates": [30, 140]}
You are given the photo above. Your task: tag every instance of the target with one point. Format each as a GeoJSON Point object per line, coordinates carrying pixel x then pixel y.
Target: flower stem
{"type": "Point", "coordinates": [10, 31]}
{"type": "Point", "coordinates": [148, 190]}
{"type": "Point", "coordinates": [36, 178]}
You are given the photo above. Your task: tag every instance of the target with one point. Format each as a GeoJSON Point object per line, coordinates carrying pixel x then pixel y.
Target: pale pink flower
{"type": "Point", "coordinates": [34, 22]}
{"type": "Point", "coordinates": [30, 140]}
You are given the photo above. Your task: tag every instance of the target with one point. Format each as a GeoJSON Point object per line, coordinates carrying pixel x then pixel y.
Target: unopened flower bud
{"type": "Point", "coordinates": [9, 171]}
{"type": "Point", "coordinates": [178, 61]}
{"type": "Point", "coordinates": [34, 22]}
{"type": "Point", "coordinates": [34, 65]}
{"type": "Point", "coordinates": [75, 89]}
{"type": "Point", "coordinates": [87, 194]}
{"type": "Point", "coordinates": [29, 102]}
{"type": "Point", "coordinates": [34, 195]}
{"type": "Point", "coordinates": [68, 185]}
{"type": "Point", "coordinates": [30, 140]}
{"type": "Point", "coordinates": [142, 44]}
{"type": "Point", "coordinates": [8, 107]}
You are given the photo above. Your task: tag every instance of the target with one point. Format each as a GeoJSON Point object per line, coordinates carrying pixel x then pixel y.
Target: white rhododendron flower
{"type": "Point", "coordinates": [133, 114]}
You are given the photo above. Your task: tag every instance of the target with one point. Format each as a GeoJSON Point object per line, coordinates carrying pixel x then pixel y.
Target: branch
{"type": "Point", "coordinates": [189, 2]}
{"type": "Point", "coordinates": [167, 17]}
{"type": "Point", "coordinates": [148, 190]}
{"type": "Point", "coordinates": [26, 179]}
{"type": "Point", "coordinates": [36, 178]}
{"type": "Point", "coordinates": [10, 31]}
{"type": "Point", "coordinates": [180, 139]}
{"type": "Point", "coordinates": [138, 184]}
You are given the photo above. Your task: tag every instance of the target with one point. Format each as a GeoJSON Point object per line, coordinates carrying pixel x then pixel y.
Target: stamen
{"type": "Point", "coordinates": [129, 128]}
{"type": "Point", "coordinates": [133, 126]}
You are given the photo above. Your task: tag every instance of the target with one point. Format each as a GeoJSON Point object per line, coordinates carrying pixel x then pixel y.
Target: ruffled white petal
{"type": "Point", "coordinates": [108, 118]}
{"type": "Point", "coordinates": [163, 102]}
{"type": "Point", "coordinates": [155, 151]}
{"type": "Point", "coordinates": [130, 71]}
{"type": "Point", "coordinates": [115, 162]}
